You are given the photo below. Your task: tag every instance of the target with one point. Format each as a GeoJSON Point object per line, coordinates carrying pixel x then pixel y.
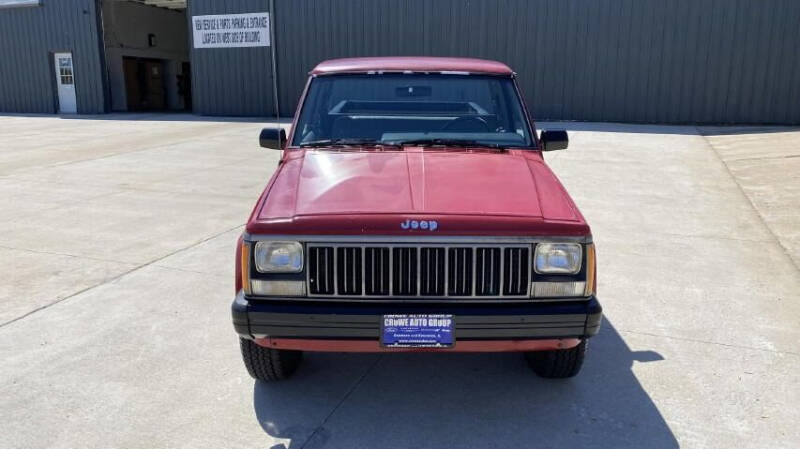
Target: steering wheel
{"type": "Point", "coordinates": [467, 123]}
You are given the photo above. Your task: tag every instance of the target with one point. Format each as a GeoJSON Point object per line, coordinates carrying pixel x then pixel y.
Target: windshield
{"type": "Point", "coordinates": [412, 108]}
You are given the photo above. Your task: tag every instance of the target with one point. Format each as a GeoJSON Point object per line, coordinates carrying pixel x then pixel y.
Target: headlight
{"type": "Point", "coordinates": [279, 257]}
{"type": "Point", "coordinates": [558, 258]}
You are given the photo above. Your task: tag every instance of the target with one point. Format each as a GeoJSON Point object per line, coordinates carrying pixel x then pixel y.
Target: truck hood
{"type": "Point", "coordinates": [373, 186]}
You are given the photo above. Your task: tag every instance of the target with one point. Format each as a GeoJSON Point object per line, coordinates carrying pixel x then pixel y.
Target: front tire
{"type": "Point", "coordinates": [268, 364]}
{"type": "Point", "coordinates": [557, 364]}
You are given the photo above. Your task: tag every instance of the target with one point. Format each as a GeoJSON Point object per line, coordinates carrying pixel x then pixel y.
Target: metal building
{"type": "Point", "coordinates": [93, 56]}
{"type": "Point", "coordinates": [653, 61]}
{"type": "Point", "coordinates": [32, 39]}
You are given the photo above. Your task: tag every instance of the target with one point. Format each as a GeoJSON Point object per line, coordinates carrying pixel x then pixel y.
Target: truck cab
{"type": "Point", "coordinates": [412, 210]}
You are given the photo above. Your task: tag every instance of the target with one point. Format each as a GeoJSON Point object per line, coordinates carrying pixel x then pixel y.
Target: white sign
{"type": "Point", "coordinates": [231, 30]}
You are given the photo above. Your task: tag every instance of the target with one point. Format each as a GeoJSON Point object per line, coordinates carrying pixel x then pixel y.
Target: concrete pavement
{"type": "Point", "coordinates": [117, 235]}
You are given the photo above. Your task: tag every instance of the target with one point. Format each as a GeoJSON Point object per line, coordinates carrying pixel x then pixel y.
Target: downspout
{"type": "Point", "coordinates": [274, 68]}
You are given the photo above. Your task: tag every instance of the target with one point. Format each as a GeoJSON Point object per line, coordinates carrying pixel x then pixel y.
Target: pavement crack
{"type": "Point", "coordinates": [766, 158]}
{"type": "Point", "coordinates": [201, 137]}
{"type": "Point", "coordinates": [716, 237]}
{"type": "Point", "coordinates": [184, 270]}
{"type": "Point", "coordinates": [708, 342]}
{"type": "Point", "coordinates": [749, 200]}
{"type": "Point", "coordinates": [56, 253]}
{"type": "Point", "coordinates": [119, 276]}
{"type": "Point", "coordinates": [321, 426]}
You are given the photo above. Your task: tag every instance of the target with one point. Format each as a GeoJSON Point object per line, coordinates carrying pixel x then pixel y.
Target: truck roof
{"type": "Point", "coordinates": [411, 63]}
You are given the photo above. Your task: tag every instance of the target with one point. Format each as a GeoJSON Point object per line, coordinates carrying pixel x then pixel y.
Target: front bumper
{"type": "Point", "coordinates": [329, 326]}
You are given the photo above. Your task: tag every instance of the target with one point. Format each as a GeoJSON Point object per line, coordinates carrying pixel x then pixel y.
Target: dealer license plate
{"type": "Point", "coordinates": [417, 331]}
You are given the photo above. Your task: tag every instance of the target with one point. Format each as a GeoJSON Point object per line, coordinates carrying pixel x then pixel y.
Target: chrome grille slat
{"type": "Point", "coordinates": [349, 271]}
{"type": "Point", "coordinates": [464, 271]}
{"type": "Point", "coordinates": [406, 271]}
{"type": "Point", "coordinates": [460, 270]}
{"type": "Point", "coordinates": [320, 269]}
{"type": "Point", "coordinates": [516, 271]}
{"type": "Point", "coordinates": [483, 271]}
{"type": "Point", "coordinates": [372, 278]}
{"type": "Point", "coordinates": [431, 280]}
{"type": "Point", "coordinates": [316, 265]}
{"type": "Point", "coordinates": [502, 269]}
{"type": "Point", "coordinates": [375, 277]}
{"type": "Point", "coordinates": [423, 271]}
{"type": "Point", "coordinates": [473, 272]}
{"type": "Point", "coordinates": [428, 266]}
{"type": "Point", "coordinates": [325, 269]}
{"type": "Point", "coordinates": [363, 267]}
{"type": "Point", "coordinates": [419, 271]}
{"type": "Point", "coordinates": [444, 277]}
{"type": "Point", "coordinates": [490, 271]}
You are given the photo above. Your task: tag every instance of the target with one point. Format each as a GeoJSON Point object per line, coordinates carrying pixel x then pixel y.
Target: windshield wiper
{"type": "Point", "coordinates": [449, 143]}
{"type": "Point", "coordinates": [347, 142]}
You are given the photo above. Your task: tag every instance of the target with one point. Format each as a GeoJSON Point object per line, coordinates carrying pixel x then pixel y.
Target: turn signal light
{"type": "Point", "coordinates": [245, 266]}
{"type": "Point", "coordinates": [591, 271]}
{"type": "Point", "coordinates": [278, 288]}
{"type": "Point", "coordinates": [558, 289]}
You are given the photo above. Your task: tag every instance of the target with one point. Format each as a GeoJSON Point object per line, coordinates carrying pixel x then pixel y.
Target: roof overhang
{"type": "Point", "coordinates": [169, 4]}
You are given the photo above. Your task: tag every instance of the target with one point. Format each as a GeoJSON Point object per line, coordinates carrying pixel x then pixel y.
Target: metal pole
{"type": "Point", "coordinates": [108, 102]}
{"type": "Point", "coordinates": [274, 68]}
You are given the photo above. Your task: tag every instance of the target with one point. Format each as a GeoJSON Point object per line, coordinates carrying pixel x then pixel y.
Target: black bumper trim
{"type": "Point", "coordinates": [287, 319]}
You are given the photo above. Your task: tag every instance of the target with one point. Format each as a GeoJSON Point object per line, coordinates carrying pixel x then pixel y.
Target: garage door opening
{"type": "Point", "coordinates": [144, 84]}
{"type": "Point", "coordinates": [147, 54]}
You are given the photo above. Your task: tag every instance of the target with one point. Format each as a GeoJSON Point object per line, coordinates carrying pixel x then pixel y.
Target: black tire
{"type": "Point", "coordinates": [558, 364]}
{"type": "Point", "coordinates": [268, 364]}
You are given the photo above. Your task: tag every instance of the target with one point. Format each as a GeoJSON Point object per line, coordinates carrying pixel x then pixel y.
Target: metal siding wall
{"type": "Point", "coordinates": [28, 38]}
{"type": "Point", "coordinates": [230, 81]}
{"type": "Point", "coordinates": [678, 61]}
{"type": "Point", "coordinates": [682, 61]}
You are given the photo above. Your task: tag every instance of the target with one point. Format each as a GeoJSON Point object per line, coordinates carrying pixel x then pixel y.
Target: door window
{"type": "Point", "coordinates": [65, 70]}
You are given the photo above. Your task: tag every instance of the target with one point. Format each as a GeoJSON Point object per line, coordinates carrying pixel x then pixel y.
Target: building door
{"type": "Point", "coordinates": [144, 84]}
{"type": "Point", "coordinates": [65, 80]}
{"type": "Point", "coordinates": [154, 80]}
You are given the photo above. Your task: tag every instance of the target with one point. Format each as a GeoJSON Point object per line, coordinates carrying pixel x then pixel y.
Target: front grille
{"type": "Point", "coordinates": [445, 271]}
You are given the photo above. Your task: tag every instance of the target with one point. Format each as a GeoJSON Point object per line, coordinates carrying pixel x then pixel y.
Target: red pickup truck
{"type": "Point", "coordinates": [412, 210]}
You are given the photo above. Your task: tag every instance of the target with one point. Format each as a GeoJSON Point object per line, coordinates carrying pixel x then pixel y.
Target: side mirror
{"type": "Point", "coordinates": [554, 139]}
{"type": "Point", "coordinates": [272, 138]}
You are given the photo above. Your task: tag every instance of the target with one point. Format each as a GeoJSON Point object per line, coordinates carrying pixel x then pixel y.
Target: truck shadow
{"type": "Point", "coordinates": [463, 400]}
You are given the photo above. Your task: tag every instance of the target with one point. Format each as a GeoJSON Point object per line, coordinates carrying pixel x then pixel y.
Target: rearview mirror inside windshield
{"type": "Point", "coordinates": [413, 91]}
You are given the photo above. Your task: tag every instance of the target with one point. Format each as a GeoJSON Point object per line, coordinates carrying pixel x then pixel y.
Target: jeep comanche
{"type": "Point", "coordinates": [412, 210]}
